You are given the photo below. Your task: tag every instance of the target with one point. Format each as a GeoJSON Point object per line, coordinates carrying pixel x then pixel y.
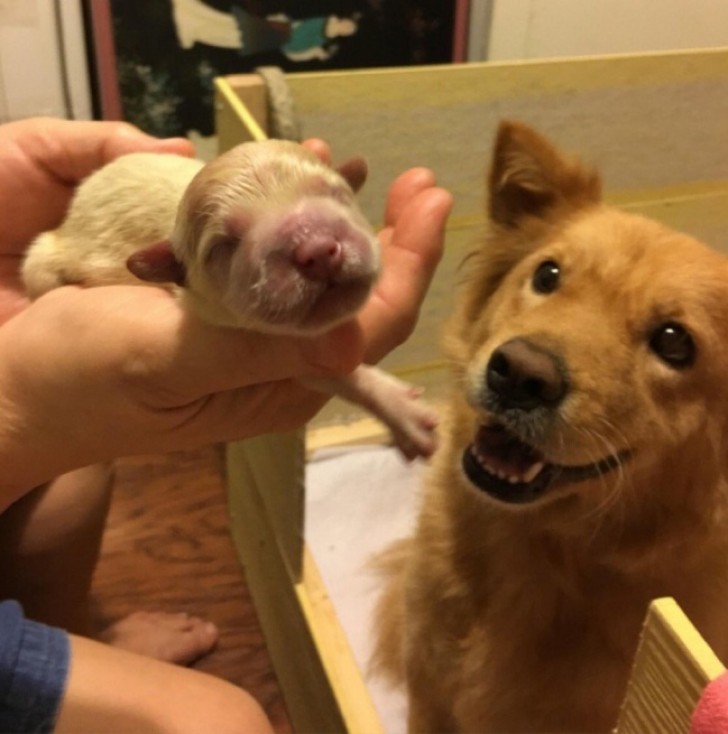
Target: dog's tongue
{"type": "Point", "coordinates": [503, 454]}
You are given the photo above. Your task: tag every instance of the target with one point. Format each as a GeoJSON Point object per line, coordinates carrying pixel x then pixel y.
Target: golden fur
{"type": "Point", "coordinates": [505, 616]}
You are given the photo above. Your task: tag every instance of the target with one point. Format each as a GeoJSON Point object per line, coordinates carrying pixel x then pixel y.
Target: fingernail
{"type": "Point", "coordinates": [179, 146]}
{"type": "Point", "coordinates": [175, 141]}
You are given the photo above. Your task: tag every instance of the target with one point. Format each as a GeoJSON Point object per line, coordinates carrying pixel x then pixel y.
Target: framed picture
{"type": "Point", "coordinates": [156, 61]}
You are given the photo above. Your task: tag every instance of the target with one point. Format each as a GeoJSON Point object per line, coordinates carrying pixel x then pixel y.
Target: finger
{"type": "Point", "coordinates": [353, 170]}
{"type": "Point", "coordinates": [405, 186]}
{"type": "Point", "coordinates": [411, 251]}
{"type": "Point", "coordinates": [238, 414]}
{"type": "Point", "coordinates": [320, 148]}
{"type": "Point", "coordinates": [142, 337]}
{"type": "Point", "coordinates": [71, 150]}
{"type": "Point", "coordinates": [50, 157]}
{"type": "Point", "coordinates": [209, 359]}
{"type": "Point", "coordinates": [145, 334]}
{"type": "Point", "coordinates": [131, 140]}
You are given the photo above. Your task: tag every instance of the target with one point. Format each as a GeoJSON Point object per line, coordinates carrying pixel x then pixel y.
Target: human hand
{"type": "Point", "coordinates": [42, 160]}
{"type": "Point", "coordinates": [90, 374]}
{"type": "Point", "coordinates": [411, 242]}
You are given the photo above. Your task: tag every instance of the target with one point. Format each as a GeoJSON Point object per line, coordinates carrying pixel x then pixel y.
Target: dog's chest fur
{"type": "Point", "coordinates": [561, 608]}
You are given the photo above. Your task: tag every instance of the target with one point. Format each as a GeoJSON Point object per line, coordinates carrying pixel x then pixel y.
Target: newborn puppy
{"type": "Point", "coordinates": [266, 237]}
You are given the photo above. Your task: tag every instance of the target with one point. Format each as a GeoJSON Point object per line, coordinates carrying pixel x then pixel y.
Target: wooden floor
{"type": "Point", "coordinates": [167, 548]}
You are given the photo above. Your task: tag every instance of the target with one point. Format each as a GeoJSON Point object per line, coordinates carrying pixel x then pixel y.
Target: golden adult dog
{"type": "Point", "coordinates": [583, 465]}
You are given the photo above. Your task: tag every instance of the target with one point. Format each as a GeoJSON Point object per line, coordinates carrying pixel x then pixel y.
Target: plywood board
{"type": "Point", "coordinates": [647, 121]}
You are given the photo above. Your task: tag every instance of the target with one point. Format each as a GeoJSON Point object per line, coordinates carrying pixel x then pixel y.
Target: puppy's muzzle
{"type": "Point", "coordinates": [521, 375]}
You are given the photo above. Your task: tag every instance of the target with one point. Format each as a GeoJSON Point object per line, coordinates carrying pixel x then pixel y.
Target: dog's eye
{"type": "Point", "coordinates": [546, 277]}
{"type": "Point", "coordinates": [672, 343]}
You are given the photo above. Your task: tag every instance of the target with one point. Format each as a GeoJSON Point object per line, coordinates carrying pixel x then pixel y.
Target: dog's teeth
{"type": "Point", "coordinates": [533, 472]}
{"type": "Point", "coordinates": [528, 476]}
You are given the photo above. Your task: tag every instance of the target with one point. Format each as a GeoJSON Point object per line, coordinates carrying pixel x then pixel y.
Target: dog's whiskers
{"type": "Point", "coordinates": [613, 491]}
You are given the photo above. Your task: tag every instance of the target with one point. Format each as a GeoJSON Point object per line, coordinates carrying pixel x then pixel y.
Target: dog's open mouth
{"type": "Point", "coordinates": [510, 470]}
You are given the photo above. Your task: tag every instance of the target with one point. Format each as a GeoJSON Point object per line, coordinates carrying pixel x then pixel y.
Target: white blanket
{"type": "Point", "coordinates": [358, 500]}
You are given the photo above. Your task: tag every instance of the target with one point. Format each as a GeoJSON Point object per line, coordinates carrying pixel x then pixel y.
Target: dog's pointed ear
{"type": "Point", "coordinates": [354, 171]}
{"type": "Point", "coordinates": [157, 264]}
{"type": "Point", "coordinates": [530, 177]}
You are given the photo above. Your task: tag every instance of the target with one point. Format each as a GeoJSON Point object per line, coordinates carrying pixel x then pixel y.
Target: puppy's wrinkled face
{"type": "Point", "coordinates": [590, 342]}
{"type": "Point", "coordinates": [272, 239]}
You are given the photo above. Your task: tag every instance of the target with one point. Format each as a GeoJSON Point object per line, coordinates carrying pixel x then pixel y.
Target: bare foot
{"type": "Point", "coordinates": [174, 638]}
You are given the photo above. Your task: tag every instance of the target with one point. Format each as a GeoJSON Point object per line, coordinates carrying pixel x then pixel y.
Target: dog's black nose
{"type": "Point", "coordinates": [525, 376]}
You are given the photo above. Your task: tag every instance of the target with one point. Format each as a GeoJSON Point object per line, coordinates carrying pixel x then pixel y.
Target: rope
{"type": "Point", "coordinates": [284, 123]}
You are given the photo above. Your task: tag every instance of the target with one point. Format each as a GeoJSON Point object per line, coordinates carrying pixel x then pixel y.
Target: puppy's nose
{"type": "Point", "coordinates": [319, 258]}
{"type": "Point", "coordinates": [525, 376]}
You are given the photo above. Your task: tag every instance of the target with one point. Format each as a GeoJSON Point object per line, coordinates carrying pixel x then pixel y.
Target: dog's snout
{"type": "Point", "coordinates": [525, 376]}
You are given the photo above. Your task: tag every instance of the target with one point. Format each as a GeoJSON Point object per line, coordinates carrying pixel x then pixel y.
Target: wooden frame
{"type": "Point", "coordinates": [323, 689]}
{"type": "Point", "coordinates": [654, 124]}
{"type": "Point", "coordinates": [672, 667]}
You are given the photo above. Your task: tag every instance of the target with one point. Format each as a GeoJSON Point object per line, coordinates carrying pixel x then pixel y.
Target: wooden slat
{"type": "Point", "coordinates": [337, 658]}
{"type": "Point", "coordinates": [322, 686]}
{"type": "Point", "coordinates": [241, 112]}
{"type": "Point", "coordinates": [274, 468]}
{"type": "Point", "coordinates": [309, 698]}
{"type": "Point", "coordinates": [362, 431]}
{"type": "Point", "coordinates": [698, 209]}
{"type": "Point", "coordinates": [672, 667]}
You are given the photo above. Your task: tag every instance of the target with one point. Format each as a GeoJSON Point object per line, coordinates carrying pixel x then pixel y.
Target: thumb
{"type": "Point", "coordinates": [128, 139]}
{"type": "Point", "coordinates": [72, 150]}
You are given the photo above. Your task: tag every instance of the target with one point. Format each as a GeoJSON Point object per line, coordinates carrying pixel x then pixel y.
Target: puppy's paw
{"type": "Point", "coordinates": [395, 403]}
{"type": "Point", "coordinates": [412, 423]}
{"type": "Point", "coordinates": [414, 426]}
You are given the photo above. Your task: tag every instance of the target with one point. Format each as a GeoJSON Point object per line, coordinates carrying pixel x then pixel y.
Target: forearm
{"type": "Point", "coordinates": [33, 448]}
{"type": "Point", "coordinates": [47, 397]}
{"type": "Point", "coordinates": [28, 457]}
{"type": "Point", "coordinates": [85, 378]}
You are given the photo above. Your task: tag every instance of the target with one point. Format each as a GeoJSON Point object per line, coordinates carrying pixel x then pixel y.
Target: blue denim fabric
{"type": "Point", "coordinates": [34, 663]}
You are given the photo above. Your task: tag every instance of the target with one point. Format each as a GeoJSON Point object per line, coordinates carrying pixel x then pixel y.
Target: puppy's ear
{"type": "Point", "coordinates": [157, 264]}
{"type": "Point", "coordinates": [530, 177]}
{"type": "Point", "coordinates": [354, 171]}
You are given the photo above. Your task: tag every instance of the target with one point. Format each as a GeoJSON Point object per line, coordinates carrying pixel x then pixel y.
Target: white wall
{"type": "Point", "coordinates": [32, 80]}
{"type": "Point", "coordinates": [521, 29]}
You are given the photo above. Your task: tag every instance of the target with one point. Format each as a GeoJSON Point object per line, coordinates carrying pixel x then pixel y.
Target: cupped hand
{"type": "Point", "coordinates": [42, 161]}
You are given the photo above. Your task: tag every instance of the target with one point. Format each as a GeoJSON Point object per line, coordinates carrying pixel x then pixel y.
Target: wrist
{"type": "Point", "coordinates": [37, 439]}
